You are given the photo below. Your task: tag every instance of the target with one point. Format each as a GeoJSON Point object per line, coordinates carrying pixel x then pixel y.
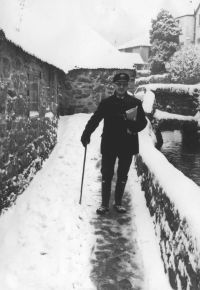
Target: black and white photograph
{"type": "Point", "coordinates": [99, 145]}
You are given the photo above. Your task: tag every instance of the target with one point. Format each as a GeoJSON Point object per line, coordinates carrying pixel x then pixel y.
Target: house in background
{"type": "Point", "coordinates": [133, 58]}
{"type": "Point", "coordinates": [197, 26]}
{"type": "Point", "coordinates": [186, 23]}
{"type": "Point", "coordinates": [189, 22]}
{"type": "Point", "coordinates": [139, 46]}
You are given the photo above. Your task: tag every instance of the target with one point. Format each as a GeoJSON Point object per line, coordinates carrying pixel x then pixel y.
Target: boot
{"type": "Point", "coordinates": [105, 192]}
{"type": "Point", "coordinates": [119, 191]}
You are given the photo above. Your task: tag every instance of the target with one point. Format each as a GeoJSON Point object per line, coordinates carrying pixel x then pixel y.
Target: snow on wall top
{"type": "Point", "coordinates": [181, 190]}
{"type": "Point", "coordinates": [188, 89]}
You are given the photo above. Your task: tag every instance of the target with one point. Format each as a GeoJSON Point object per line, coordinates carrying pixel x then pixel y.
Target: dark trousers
{"type": "Point", "coordinates": [107, 170]}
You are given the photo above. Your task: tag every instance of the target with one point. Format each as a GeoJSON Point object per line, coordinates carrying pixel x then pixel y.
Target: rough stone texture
{"type": "Point", "coordinates": [189, 126]}
{"type": "Point", "coordinates": [87, 87]}
{"type": "Point", "coordinates": [180, 103]}
{"type": "Point", "coordinates": [180, 99]}
{"type": "Point", "coordinates": [179, 249]}
{"type": "Point", "coordinates": [29, 90]}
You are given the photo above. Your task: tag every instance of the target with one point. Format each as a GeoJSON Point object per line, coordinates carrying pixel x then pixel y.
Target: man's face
{"type": "Point", "coordinates": [121, 87]}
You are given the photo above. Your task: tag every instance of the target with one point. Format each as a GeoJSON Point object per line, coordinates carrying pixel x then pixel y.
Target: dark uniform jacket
{"type": "Point", "coordinates": [119, 134]}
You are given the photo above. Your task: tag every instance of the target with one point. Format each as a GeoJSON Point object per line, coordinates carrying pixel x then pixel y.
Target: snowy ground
{"type": "Point", "coordinates": [46, 237]}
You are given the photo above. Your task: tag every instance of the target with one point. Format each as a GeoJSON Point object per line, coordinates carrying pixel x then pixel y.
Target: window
{"type": "Point", "coordinates": [33, 91]}
{"type": "Point", "coordinates": [34, 97]}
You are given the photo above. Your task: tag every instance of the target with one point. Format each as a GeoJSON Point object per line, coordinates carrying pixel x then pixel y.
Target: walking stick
{"type": "Point", "coordinates": [83, 174]}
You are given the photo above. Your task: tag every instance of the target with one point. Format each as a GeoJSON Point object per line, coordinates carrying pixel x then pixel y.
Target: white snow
{"type": "Point", "coordinates": [155, 279]}
{"type": "Point", "coordinates": [46, 237]}
{"type": "Point", "coordinates": [132, 58]}
{"type": "Point", "coordinates": [182, 191]}
{"type": "Point", "coordinates": [178, 88]}
{"type": "Point", "coordinates": [76, 46]}
{"type": "Point", "coordinates": [197, 118]}
{"type": "Point", "coordinates": [165, 115]}
{"type": "Point", "coordinates": [148, 101]}
{"type": "Point", "coordinates": [49, 115]}
{"type": "Point", "coordinates": [142, 40]}
{"type": "Point", "coordinates": [34, 114]}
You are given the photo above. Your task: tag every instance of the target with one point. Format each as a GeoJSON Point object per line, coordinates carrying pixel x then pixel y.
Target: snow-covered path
{"type": "Point", "coordinates": [46, 244]}
{"type": "Point", "coordinates": [47, 238]}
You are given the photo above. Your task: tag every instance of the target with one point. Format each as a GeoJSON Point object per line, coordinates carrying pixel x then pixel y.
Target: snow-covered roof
{"type": "Point", "coordinates": [178, 10]}
{"type": "Point", "coordinates": [90, 50]}
{"type": "Point", "coordinates": [185, 15]}
{"type": "Point", "coordinates": [140, 41]}
{"type": "Point", "coordinates": [197, 8]}
{"type": "Point", "coordinates": [59, 35]}
{"type": "Point", "coordinates": [134, 58]}
{"type": "Point", "coordinates": [85, 48]}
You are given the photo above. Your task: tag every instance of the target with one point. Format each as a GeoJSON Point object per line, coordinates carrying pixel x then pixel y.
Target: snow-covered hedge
{"type": "Point", "coordinates": [172, 88]}
{"type": "Point", "coordinates": [162, 78]}
{"type": "Point", "coordinates": [163, 83]}
{"type": "Point", "coordinates": [174, 204]}
{"type": "Point", "coordinates": [143, 73]}
{"type": "Point", "coordinates": [181, 99]}
{"type": "Point", "coordinates": [184, 66]}
{"type": "Point", "coordinates": [178, 88]}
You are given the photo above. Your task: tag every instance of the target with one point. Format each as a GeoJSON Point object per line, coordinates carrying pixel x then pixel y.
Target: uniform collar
{"type": "Point", "coordinates": [118, 98]}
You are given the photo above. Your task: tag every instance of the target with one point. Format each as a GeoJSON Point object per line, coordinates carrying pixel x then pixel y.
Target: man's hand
{"type": "Point", "coordinates": [85, 139]}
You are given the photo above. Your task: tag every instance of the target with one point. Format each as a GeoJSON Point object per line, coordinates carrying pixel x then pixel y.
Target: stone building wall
{"type": "Point", "coordinates": [178, 244]}
{"type": "Point", "coordinates": [197, 26]}
{"type": "Point", "coordinates": [87, 87]}
{"type": "Point", "coordinates": [29, 92]}
{"type": "Point", "coordinates": [182, 99]}
{"type": "Point", "coordinates": [180, 103]}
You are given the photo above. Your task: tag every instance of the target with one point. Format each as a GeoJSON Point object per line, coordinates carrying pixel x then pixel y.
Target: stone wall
{"type": "Point", "coordinates": [180, 103]}
{"type": "Point", "coordinates": [87, 87]}
{"type": "Point", "coordinates": [182, 99]}
{"type": "Point", "coordinates": [29, 92]}
{"type": "Point", "coordinates": [179, 246]}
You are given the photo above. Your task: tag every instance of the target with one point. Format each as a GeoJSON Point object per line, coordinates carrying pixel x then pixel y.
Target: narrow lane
{"type": "Point", "coordinates": [49, 241]}
{"type": "Point", "coordinates": [116, 259]}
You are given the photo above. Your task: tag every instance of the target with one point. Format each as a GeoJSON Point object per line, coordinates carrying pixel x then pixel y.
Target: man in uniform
{"type": "Point", "coordinates": [123, 117]}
